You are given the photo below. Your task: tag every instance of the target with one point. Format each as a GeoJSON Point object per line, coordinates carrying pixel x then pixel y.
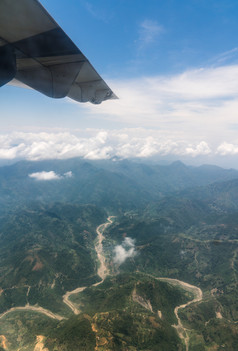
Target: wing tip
{"type": "Point", "coordinates": [114, 97]}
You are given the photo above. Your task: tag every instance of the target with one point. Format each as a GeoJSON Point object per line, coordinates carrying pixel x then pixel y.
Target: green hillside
{"type": "Point", "coordinates": [176, 222]}
{"type": "Point", "coordinates": [113, 317]}
{"type": "Point", "coordinates": [46, 251]}
{"type": "Point", "coordinates": [114, 185]}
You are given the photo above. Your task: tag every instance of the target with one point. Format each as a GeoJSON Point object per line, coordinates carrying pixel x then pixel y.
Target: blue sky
{"type": "Point", "coordinates": [131, 38]}
{"type": "Point", "coordinates": [174, 66]}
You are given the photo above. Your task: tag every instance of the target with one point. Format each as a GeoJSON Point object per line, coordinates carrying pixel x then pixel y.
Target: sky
{"type": "Point", "coordinates": [174, 66]}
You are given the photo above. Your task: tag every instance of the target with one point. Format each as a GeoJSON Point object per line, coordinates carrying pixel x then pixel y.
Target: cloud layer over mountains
{"type": "Point", "coordinates": [105, 144]}
{"type": "Point", "coordinates": [189, 114]}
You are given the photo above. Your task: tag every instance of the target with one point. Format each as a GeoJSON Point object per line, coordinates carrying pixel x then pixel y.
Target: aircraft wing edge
{"type": "Point", "coordinates": [49, 61]}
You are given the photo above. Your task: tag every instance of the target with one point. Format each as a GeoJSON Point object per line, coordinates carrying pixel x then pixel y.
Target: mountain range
{"type": "Point", "coordinates": [172, 241]}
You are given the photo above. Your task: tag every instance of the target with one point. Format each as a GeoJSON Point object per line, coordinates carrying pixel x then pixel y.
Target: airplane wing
{"type": "Point", "coordinates": [35, 51]}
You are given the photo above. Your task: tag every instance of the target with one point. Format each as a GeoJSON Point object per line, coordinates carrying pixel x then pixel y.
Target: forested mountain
{"type": "Point", "coordinates": [161, 273]}
{"type": "Point", "coordinates": [116, 185]}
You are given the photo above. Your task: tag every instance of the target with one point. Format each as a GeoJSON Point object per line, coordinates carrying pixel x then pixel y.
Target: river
{"type": "Point", "coordinates": [103, 273]}
{"type": "Point", "coordinates": [102, 268]}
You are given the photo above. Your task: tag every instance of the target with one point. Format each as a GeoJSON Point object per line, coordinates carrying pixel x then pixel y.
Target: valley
{"type": "Point", "coordinates": [102, 273]}
{"type": "Point", "coordinates": [102, 269]}
{"type": "Point", "coordinates": [156, 273]}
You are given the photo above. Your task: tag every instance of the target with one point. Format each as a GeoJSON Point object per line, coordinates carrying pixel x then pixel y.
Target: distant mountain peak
{"type": "Point", "coordinates": [177, 164]}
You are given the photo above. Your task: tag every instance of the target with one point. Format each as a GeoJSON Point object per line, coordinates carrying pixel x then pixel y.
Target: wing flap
{"type": "Point", "coordinates": [46, 59]}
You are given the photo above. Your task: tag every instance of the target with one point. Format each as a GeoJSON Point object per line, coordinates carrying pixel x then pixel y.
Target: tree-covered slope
{"type": "Point", "coordinates": [180, 223]}
{"type": "Point", "coordinates": [126, 312]}
{"type": "Point", "coordinates": [115, 185]}
{"type": "Point", "coordinates": [45, 251]}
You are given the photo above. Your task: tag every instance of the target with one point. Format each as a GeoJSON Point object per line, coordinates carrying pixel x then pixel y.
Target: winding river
{"type": "Point", "coordinates": [33, 309]}
{"type": "Point", "coordinates": [103, 273]}
{"type": "Point", "coordinates": [198, 295]}
{"type": "Point", "coordinates": [102, 269]}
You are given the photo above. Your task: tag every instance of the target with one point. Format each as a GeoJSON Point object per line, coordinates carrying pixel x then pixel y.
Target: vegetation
{"type": "Point", "coordinates": [116, 293]}
{"type": "Point", "coordinates": [184, 224]}
{"type": "Point", "coordinates": [52, 251]}
{"type": "Point", "coordinates": [73, 334]}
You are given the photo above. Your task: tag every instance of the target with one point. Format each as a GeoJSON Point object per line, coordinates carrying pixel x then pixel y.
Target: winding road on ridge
{"type": "Point", "coordinates": [103, 273]}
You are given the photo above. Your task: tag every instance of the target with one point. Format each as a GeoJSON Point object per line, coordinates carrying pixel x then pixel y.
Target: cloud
{"type": "Point", "coordinates": [190, 114]}
{"type": "Point", "coordinates": [96, 145]}
{"type": "Point", "coordinates": [68, 174]}
{"type": "Point", "coordinates": [227, 149]}
{"type": "Point", "coordinates": [190, 94]}
{"type": "Point", "coordinates": [196, 104]}
{"type": "Point", "coordinates": [51, 175]}
{"type": "Point", "coordinates": [225, 57]}
{"type": "Point", "coordinates": [201, 149]}
{"type": "Point", "coordinates": [97, 12]}
{"type": "Point", "coordinates": [149, 31]}
{"type": "Point", "coordinates": [124, 251]}
{"type": "Point", "coordinates": [44, 175]}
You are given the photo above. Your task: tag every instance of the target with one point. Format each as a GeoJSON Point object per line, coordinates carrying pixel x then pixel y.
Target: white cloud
{"type": "Point", "coordinates": [226, 56]}
{"type": "Point", "coordinates": [190, 114]}
{"type": "Point", "coordinates": [194, 106]}
{"type": "Point", "coordinates": [124, 251]}
{"type": "Point", "coordinates": [68, 174]}
{"type": "Point", "coordinates": [149, 31]}
{"type": "Point", "coordinates": [44, 175]}
{"type": "Point", "coordinates": [201, 149]}
{"type": "Point", "coordinates": [150, 101]}
{"type": "Point", "coordinates": [51, 175]}
{"type": "Point", "coordinates": [97, 144]}
{"type": "Point", "coordinates": [227, 149]}
{"type": "Point", "coordinates": [99, 12]}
